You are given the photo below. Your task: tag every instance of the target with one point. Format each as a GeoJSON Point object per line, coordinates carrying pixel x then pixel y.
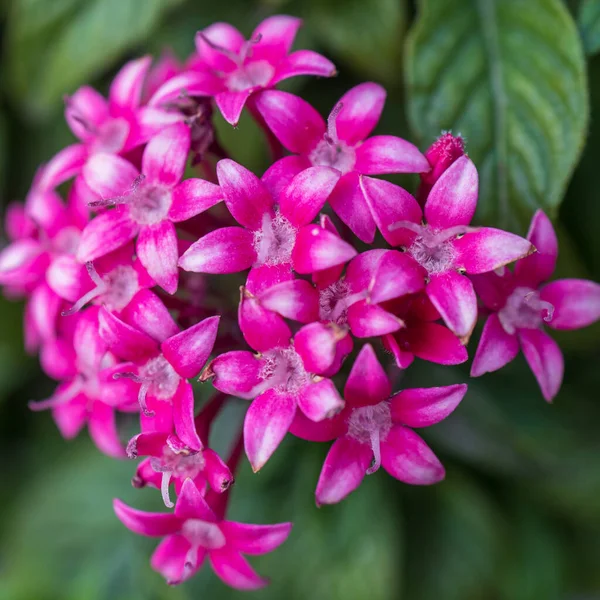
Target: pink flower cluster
{"type": "Point", "coordinates": [126, 299]}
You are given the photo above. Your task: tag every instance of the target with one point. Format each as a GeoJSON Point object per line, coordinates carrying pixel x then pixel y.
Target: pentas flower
{"type": "Point", "coordinates": [445, 151]}
{"type": "Point", "coordinates": [275, 229]}
{"type": "Point", "coordinates": [375, 430]}
{"type": "Point", "coordinates": [147, 204]}
{"type": "Point", "coordinates": [162, 358]}
{"type": "Point", "coordinates": [89, 394]}
{"type": "Point", "coordinates": [521, 302]}
{"type": "Point", "coordinates": [443, 243]}
{"type": "Point", "coordinates": [342, 144]}
{"type": "Point", "coordinates": [195, 532]}
{"type": "Point", "coordinates": [231, 68]}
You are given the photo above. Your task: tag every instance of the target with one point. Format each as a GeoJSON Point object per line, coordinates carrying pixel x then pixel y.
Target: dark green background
{"type": "Point", "coordinates": [518, 517]}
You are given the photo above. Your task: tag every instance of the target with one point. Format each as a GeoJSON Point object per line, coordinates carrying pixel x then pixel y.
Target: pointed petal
{"type": "Point", "coordinates": [169, 559]}
{"type": "Point", "coordinates": [382, 154]}
{"type": "Point", "coordinates": [361, 109]}
{"type": "Point", "coordinates": [157, 250]}
{"type": "Point", "coordinates": [166, 155]}
{"type": "Point", "coordinates": [236, 373]}
{"type": "Point", "coordinates": [146, 523]}
{"type": "Point", "coordinates": [539, 266]}
{"type": "Point", "coordinates": [390, 204]}
{"type": "Point", "coordinates": [343, 470]}
{"type": "Point", "coordinates": [320, 400]}
{"type": "Point", "coordinates": [189, 350]}
{"type": "Point", "coordinates": [323, 431]}
{"type": "Point", "coordinates": [255, 539]}
{"type": "Point", "coordinates": [293, 121]}
{"type": "Point", "coordinates": [296, 299]}
{"type": "Point", "coordinates": [234, 570]}
{"type": "Point", "coordinates": [317, 249]}
{"type": "Point", "coordinates": [487, 249]}
{"type": "Point", "coordinates": [426, 406]}
{"type": "Point", "coordinates": [277, 34]}
{"type": "Point", "coordinates": [85, 107]}
{"type": "Point", "coordinates": [126, 88]}
{"type": "Point", "coordinates": [576, 303]}
{"type": "Point", "coordinates": [303, 62]}
{"type": "Point", "coordinates": [189, 83]}
{"type": "Point", "coordinates": [103, 430]}
{"type": "Point", "coordinates": [496, 348]}
{"type": "Point", "coordinates": [362, 269]}
{"type": "Point", "coordinates": [280, 174]}
{"type": "Point", "coordinates": [109, 175]}
{"type": "Point", "coordinates": [493, 288]}
{"type": "Point", "coordinates": [147, 444]}
{"type": "Point", "coordinates": [316, 343]}
{"type": "Point", "coordinates": [219, 35]}
{"type": "Point", "coordinates": [63, 166]}
{"type": "Point", "coordinates": [192, 505]}
{"type": "Point", "coordinates": [367, 383]}
{"type": "Point", "coordinates": [402, 356]}
{"type": "Point", "coordinates": [544, 358]}
{"type": "Point", "coordinates": [432, 342]}
{"type": "Point", "coordinates": [225, 250]}
{"type": "Point", "coordinates": [267, 421]}
{"type": "Point", "coordinates": [454, 298]}
{"type": "Point", "coordinates": [68, 278]}
{"type": "Point", "coordinates": [231, 104]}
{"type": "Point", "coordinates": [397, 275]}
{"type": "Point", "coordinates": [370, 320]}
{"type": "Point", "coordinates": [216, 471]}
{"type": "Point", "coordinates": [264, 277]}
{"type": "Point", "coordinates": [183, 416]}
{"type": "Point", "coordinates": [87, 343]}
{"type": "Point", "coordinates": [57, 359]}
{"type": "Point", "coordinates": [147, 312]}
{"type": "Point", "coordinates": [192, 197]}
{"type": "Point", "coordinates": [453, 199]}
{"type": "Point", "coordinates": [261, 328]}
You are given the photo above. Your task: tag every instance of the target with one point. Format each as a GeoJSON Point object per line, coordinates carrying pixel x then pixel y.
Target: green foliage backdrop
{"type": "Point", "coordinates": [518, 517]}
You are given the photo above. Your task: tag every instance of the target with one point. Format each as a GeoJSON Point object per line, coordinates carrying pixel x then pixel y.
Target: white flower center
{"type": "Point", "coordinates": [202, 534]}
{"type": "Point", "coordinates": [149, 204]}
{"type": "Point", "coordinates": [284, 370]}
{"type": "Point", "coordinates": [274, 241]}
{"type": "Point", "coordinates": [524, 309]}
{"type": "Point", "coordinates": [333, 153]}
{"type": "Point", "coordinates": [160, 378]}
{"type": "Point", "coordinates": [257, 73]}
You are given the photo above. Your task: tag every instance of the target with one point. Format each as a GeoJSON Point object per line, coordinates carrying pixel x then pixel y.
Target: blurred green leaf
{"type": "Point", "coordinates": [53, 47]}
{"type": "Point", "coordinates": [497, 72]}
{"type": "Point", "coordinates": [589, 25]}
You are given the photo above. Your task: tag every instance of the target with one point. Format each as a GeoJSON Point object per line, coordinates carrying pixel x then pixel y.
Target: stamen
{"type": "Point", "coordinates": [246, 51]}
{"type": "Point", "coordinates": [331, 137]}
{"type": "Point", "coordinates": [376, 447]}
{"type": "Point", "coordinates": [534, 301]}
{"type": "Point", "coordinates": [164, 488]}
{"type": "Point", "coordinates": [414, 227]}
{"type": "Point", "coordinates": [228, 53]}
{"type": "Point", "coordinates": [94, 293]}
{"type": "Point", "coordinates": [145, 385]}
{"type": "Point", "coordinates": [57, 399]}
{"type": "Point", "coordinates": [119, 199]}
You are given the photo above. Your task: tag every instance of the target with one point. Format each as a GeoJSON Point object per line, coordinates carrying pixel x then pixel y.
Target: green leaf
{"type": "Point", "coordinates": [589, 25]}
{"type": "Point", "coordinates": [497, 72]}
{"type": "Point", "coordinates": [54, 47]}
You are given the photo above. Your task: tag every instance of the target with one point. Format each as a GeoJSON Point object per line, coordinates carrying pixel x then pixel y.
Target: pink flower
{"type": "Point", "coordinates": [521, 304]}
{"type": "Point", "coordinates": [147, 205]}
{"type": "Point", "coordinates": [375, 430]}
{"type": "Point", "coordinates": [340, 144]}
{"type": "Point", "coordinates": [446, 247]}
{"type": "Point", "coordinates": [231, 68]}
{"type": "Point", "coordinates": [275, 229]}
{"type": "Point", "coordinates": [194, 532]}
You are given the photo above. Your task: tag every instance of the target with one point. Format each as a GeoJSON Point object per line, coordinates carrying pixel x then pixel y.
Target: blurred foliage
{"type": "Point", "coordinates": [518, 517]}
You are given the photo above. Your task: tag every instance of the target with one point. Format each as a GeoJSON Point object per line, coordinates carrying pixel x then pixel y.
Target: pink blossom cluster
{"type": "Point", "coordinates": [121, 251]}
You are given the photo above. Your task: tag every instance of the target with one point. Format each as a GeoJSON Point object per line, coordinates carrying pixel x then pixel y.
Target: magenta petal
{"type": "Point", "coordinates": [225, 250]}
{"type": "Point", "coordinates": [304, 197]}
{"type": "Point", "coordinates": [166, 154]}
{"type": "Point", "coordinates": [192, 505]}
{"type": "Point", "coordinates": [85, 107]}
{"type": "Point", "coordinates": [397, 275]}
{"type": "Point", "coordinates": [303, 62]}
{"type": "Point", "coordinates": [157, 250]}
{"type": "Point", "coordinates": [261, 328]}
{"type": "Point", "coordinates": [280, 174]}
{"type": "Point", "coordinates": [539, 266]}
{"type": "Point", "coordinates": [57, 359]}
{"type": "Point", "coordinates": [405, 456]}
{"type": "Point", "coordinates": [189, 350]}
{"type": "Point", "coordinates": [87, 343]}
{"type": "Point", "coordinates": [103, 430]}
{"type": "Point", "coordinates": [403, 358]}
{"type": "Point", "coordinates": [276, 35]}
{"type": "Point", "coordinates": [108, 175]}
{"type": "Point", "coordinates": [349, 204]}
{"type": "Point", "coordinates": [454, 298]}
{"type": "Point", "coordinates": [192, 197]}
{"type": "Point", "coordinates": [231, 104]}
{"type": "Point", "coordinates": [496, 348]}
{"type": "Point", "coordinates": [453, 199]}
{"type": "Point", "coordinates": [389, 154]}
{"type": "Point", "coordinates": [343, 470]}
{"type": "Point", "coordinates": [576, 303]}
{"type": "Point", "coordinates": [362, 269]}
{"type": "Point", "coordinates": [255, 539]}
{"type": "Point", "coordinates": [426, 406]}
{"type": "Point", "coordinates": [63, 166]}
{"type": "Point", "coordinates": [169, 559]}
{"type": "Point", "coordinates": [236, 373]}
{"type": "Point", "coordinates": [293, 121]}
{"type": "Point", "coordinates": [544, 358]}
{"type": "Point", "coordinates": [367, 383]}
{"type": "Point", "coordinates": [183, 416]}
{"type": "Point", "coordinates": [126, 88]}
{"type": "Point", "coordinates": [190, 83]}
{"type": "Point", "coordinates": [370, 320]}
{"type": "Point", "coordinates": [216, 471]}
{"type": "Point", "coordinates": [107, 232]}
{"type": "Point", "coordinates": [246, 196]}
{"type": "Point", "coordinates": [210, 40]}
{"type": "Point", "coordinates": [267, 421]}
{"type": "Point", "coordinates": [433, 342]}
{"type": "Point", "coordinates": [487, 249]}
{"type": "Point", "coordinates": [146, 523]}
{"type": "Point", "coordinates": [320, 400]}
{"type": "Point", "coordinates": [147, 312]}
{"type": "Point", "coordinates": [296, 299]}
{"type": "Point", "coordinates": [68, 278]}
{"type": "Point", "coordinates": [234, 570]}
{"type": "Point", "coordinates": [361, 109]}
{"type": "Point", "coordinates": [317, 249]}
{"type": "Point", "coordinates": [323, 431]}
{"type": "Point", "coordinates": [390, 204]}
{"type": "Point", "coordinates": [147, 444]}
{"type": "Point", "coordinates": [123, 340]}
{"type": "Point", "coordinates": [316, 344]}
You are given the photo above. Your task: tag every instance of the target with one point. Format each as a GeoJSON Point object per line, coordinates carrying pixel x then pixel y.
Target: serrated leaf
{"type": "Point", "coordinates": [497, 72]}
{"type": "Point", "coordinates": [589, 25]}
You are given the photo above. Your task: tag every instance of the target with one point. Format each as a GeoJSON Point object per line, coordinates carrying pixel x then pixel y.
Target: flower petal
{"type": "Point", "coordinates": [84, 108]}
{"type": "Point", "coordinates": [323, 431]}
{"type": "Point", "coordinates": [382, 154]}
{"type": "Point", "coordinates": [255, 539]}
{"type": "Point", "coordinates": [231, 104]}
{"type": "Point", "coordinates": [360, 112]}
{"type": "Point", "coordinates": [320, 400]}
{"type": "Point", "coordinates": [432, 342]}
{"type": "Point", "coordinates": [192, 197]}
{"type": "Point", "coordinates": [225, 250]}
{"type": "Point", "coordinates": [183, 416]}
{"type": "Point", "coordinates": [63, 166]}
{"type": "Point", "coordinates": [296, 299]}
{"type": "Point", "coordinates": [146, 523]}
{"type": "Point", "coordinates": [267, 421]}
{"type": "Point", "coordinates": [236, 373]}
{"type": "Point", "coordinates": [405, 456]}
{"type": "Point", "coordinates": [576, 303]}
{"type": "Point", "coordinates": [166, 155]}
{"type": "Point", "coordinates": [217, 473]}
{"type": "Point", "coordinates": [280, 174]}
{"type": "Point", "coordinates": [367, 383]}
{"type": "Point", "coordinates": [316, 344]}
{"type": "Point", "coordinates": [126, 88]}
{"type": "Point", "coordinates": [102, 426]}
{"type": "Point", "coordinates": [189, 83]}
{"type": "Point", "coordinates": [277, 34]}
{"type": "Point", "coordinates": [261, 328]}
{"type": "Point", "coordinates": [496, 348]}
{"type": "Point", "coordinates": [219, 35]}
{"type": "Point", "coordinates": [343, 470]}
{"type": "Point", "coordinates": [147, 312]}
{"type": "Point", "coordinates": [397, 275]}
{"type": "Point", "coordinates": [157, 250]}
{"type": "Point", "coordinates": [317, 249]}
{"type": "Point", "coordinates": [303, 62]}
{"type": "Point", "coordinates": [370, 320]}
{"type": "Point", "coordinates": [170, 559]}
{"type": "Point", "coordinates": [234, 570]}
{"type": "Point", "coordinates": [108, 175]}
{"type": "Point", "coordinates": [544, 358]}
{"type": "Point", "coordinates": [192, 505]}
